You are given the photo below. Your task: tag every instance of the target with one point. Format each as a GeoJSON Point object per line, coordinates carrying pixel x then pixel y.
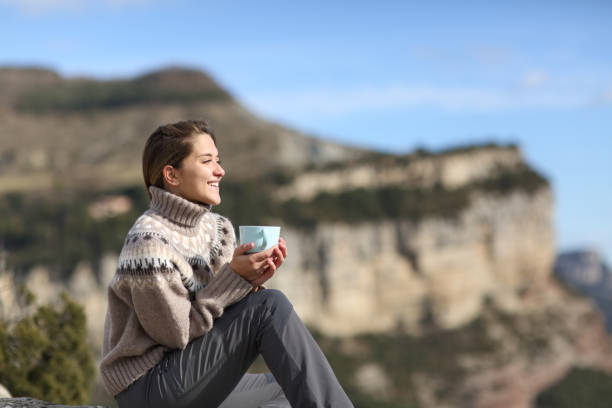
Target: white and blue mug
{"type": "Point", "coordinates": [263, 236]}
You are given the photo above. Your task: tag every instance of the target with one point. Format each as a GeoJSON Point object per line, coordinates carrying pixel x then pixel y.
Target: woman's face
{"type": "Point", "coordinates": [199, 175]}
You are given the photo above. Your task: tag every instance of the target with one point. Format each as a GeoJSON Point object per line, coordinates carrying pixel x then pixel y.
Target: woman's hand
{"type": "Point", "coordinates": [280, 253]}
{"type": "Point", "coordinates": [261, 266]}
{"type": "Point", "coordinates": [254, 266]}
{"type": "Point", "coordinates": [282, 244]}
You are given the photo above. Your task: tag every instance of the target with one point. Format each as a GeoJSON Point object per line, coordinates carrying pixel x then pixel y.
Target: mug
{"type": "Point", "coordinates": [263, 236]}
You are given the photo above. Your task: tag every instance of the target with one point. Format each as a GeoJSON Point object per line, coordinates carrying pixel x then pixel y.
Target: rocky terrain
{"type": "Point", "coordinates": [452, 303]}
{"type": "Point", "coordinates": [69, 132]}
{"type": "Point", "coordinates": [374, 276]}
{"type": "Point", "coordinates": [24, 402]}
{"type": "Point", "coordinates": [586, 272]}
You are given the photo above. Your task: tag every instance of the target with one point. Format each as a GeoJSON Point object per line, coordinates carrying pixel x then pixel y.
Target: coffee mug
{"type": "Point", "coordinates": [263, 236]}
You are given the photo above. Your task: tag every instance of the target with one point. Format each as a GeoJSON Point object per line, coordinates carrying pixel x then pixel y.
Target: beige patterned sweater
{"type": "Point", "coordinates": [173, 279]}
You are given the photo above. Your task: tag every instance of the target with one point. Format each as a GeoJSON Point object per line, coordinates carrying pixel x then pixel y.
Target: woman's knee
{"type": "Point", "coordinates": [276, 300]}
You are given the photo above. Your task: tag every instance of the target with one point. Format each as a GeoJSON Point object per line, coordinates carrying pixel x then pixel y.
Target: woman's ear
{"type": "Point", "coordinates": [170, 175]}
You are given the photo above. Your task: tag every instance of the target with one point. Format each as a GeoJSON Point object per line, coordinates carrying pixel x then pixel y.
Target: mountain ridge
{"type": "Point", "coordinates": [454, 246]}
{"type": "Point", "coordinates": [58, 132]}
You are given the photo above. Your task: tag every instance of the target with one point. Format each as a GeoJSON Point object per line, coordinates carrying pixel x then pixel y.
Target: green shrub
{"type": "Point", "coordinates": [581, 387]}
{"type": "Point", "coordinates": [44, 355]}
{"type": "Point", "coordinates": [401, 356]}
{"type": "Point", "coordinates": [58, 231]}
{"type": "Point", "coordinates": [86, 95]}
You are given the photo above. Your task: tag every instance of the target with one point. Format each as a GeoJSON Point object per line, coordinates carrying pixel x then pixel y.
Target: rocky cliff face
{"type": "Point", "coordinates": [348, 279]}
{"type": "Point", "coordinates": [448, 170]}
{"type": "Point", "coordinates": [374, 276]}
{"type": "Point", "coordinates": [586, 272]}
{"type": "Point", "coordinates": [488, 261]}
{"type": "Point", "coordinates": [75, 132]}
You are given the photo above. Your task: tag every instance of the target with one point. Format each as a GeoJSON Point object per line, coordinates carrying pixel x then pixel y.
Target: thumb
{"type": "Point", "coordinates": [242, 249]}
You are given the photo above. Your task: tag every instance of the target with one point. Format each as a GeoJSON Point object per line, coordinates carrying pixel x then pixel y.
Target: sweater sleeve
{"type": "Point", "coordinates": [151, 281]}
{"type": "Point", "coordinates": [226, 287]}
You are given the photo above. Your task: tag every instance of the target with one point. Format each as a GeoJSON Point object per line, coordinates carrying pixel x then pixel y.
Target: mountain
{"type": "Point", "coordinates": [426, 277]}
{"type": "Point", "coordinates": [586, 272]}
{"type": "Point", "coordinates": [83, 132]}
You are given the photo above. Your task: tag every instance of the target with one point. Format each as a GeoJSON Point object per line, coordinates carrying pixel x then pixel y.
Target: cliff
{"type": "Point", "coordinates": [34, 403]}
{"type": "Point", "coordinates": [348, 279]}
{"type": "Point", "coordinates": [447, 169]}
{"type": "Point", "coordinates": [58, 132]}
{"type": "Point", "coordinates": [586, 272]}
{"type": "Point", "coordinates": [427, 276]}
{"type": "Point", "coordinates": [375, 275]}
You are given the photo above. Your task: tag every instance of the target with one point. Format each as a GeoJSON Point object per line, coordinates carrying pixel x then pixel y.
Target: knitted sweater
{"type": "Point", "coordinates": [173, 279]}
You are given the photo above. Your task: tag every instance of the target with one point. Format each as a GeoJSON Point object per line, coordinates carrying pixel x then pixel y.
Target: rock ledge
{"type": "Point", "coordinates": [25, 402]}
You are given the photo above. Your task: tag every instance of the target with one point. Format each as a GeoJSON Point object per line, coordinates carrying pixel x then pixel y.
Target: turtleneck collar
{"type": "Point", "coordinates": [176, 208]}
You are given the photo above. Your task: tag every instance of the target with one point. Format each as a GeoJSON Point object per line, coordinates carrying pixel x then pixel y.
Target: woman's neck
{"type": "Point", "coordinates": [175, 208]}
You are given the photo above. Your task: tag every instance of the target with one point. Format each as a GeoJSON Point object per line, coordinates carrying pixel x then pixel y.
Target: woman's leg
{"type": "Point", "coordinates": [256, 391]}
{"type": "Point", "coordinates": [207, 370]}
{"type": "Point", "coordinates": [297, 362]}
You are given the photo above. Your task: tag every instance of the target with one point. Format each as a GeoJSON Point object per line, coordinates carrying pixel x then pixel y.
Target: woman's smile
{"type": "Point", "coordinates": [198, 177]}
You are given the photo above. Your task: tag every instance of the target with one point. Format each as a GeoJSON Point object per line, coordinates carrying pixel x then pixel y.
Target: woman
{"type": "Point", "coordinates": [186, 316]}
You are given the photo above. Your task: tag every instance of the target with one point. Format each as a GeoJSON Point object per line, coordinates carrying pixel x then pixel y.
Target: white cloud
{"type": "Point", "coordinates": [605, 97]}
{"type": "Point", "coordinates": [37, 7]}
{"type": "Point", "coordinates": [491, 55]}
{"type": "Point", "coordinates": [534, 79]}
{"type": "Point", "coordinates": [461, 99]}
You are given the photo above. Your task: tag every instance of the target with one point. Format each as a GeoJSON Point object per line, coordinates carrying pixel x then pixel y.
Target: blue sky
{"type": "Point", "coordinates": [385, 75]}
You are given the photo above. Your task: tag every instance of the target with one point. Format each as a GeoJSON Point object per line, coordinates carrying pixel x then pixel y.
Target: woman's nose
{"type": "Point", "coordinates": [219, 170]}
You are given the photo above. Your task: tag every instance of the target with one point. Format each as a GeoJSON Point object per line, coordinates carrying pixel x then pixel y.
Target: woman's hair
{"type": "Point", "coordinates": [169, 144]}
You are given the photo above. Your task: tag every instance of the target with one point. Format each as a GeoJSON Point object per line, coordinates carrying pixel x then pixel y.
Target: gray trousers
{"type": "Point", "coordinates": [210, 367]}
{"type": "Point", "coordinates": [256, 391]}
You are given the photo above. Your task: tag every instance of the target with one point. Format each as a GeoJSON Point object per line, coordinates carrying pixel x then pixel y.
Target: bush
{"type": "Point", "coordinates": [85, 95]}
{"type": "Point", "coordinates": [581, 387]}
{"type": "Point", "coordinates": [44, 354]}
{"type": "Point", "coordinates": [58, 231]}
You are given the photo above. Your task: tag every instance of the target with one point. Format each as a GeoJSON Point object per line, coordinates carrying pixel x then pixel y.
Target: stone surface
{"type": "Point", "coordinates": [34, 403]}
{"type": "Point", "coordinates": [587, 272]}
{"type": "Point", "coordinates": [4, 393]}
{"type": "Point", "coordinates": [349, 279]}
{"type": "Point", "coordinates": [574, 334]}
{"type": "Point", "coordinates": [449, 171]}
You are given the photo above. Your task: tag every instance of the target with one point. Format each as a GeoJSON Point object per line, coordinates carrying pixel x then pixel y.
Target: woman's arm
{"type": "Point", "coordinates": [150, 281]}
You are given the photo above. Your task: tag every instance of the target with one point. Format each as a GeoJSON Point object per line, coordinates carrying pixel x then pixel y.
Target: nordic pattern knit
{"type": "Point", "coordinates": [173, 279]}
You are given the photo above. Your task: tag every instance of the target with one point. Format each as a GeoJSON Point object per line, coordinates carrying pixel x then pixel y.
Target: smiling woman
{"type": "Point", "coordinates": [195, 175]}
{"type": "Point", "coordinates": [187, 314]}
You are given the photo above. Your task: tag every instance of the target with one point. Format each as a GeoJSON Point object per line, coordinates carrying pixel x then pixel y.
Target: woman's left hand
{"type": "Point", "coordinates": [282, 244]}
{"type": "Point", "coordinates": [274, 262]}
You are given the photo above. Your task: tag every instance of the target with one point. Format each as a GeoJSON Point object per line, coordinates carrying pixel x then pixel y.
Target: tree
{"type": "Point", "coordinates": [44, 354]}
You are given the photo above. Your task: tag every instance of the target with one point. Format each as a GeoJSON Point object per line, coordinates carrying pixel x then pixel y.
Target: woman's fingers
{"type": "Point", "coordinates": [279, 258]}
{"type": "Point", "coordinates": [270, 265]}
{"type": "Point", "coordinates": [261, 265]}
{"type": "Point", "coordinates": [263, 255]}
{"type": "Point", "coordinates": [265, 273]}
{"type": "Point", "coordinates": [282, 244]}
{"type": "Point", "coordinates": [241, 250]}
{"type": "Point", "coordinates": [262, 279]}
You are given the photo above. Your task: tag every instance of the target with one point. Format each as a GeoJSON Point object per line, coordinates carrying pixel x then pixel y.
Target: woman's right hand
{"type": "Point", "coordinates": [257, 266]}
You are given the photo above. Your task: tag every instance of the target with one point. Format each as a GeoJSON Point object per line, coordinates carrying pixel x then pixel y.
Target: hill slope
{"type": "Point", "coordinates": [75, 132]}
